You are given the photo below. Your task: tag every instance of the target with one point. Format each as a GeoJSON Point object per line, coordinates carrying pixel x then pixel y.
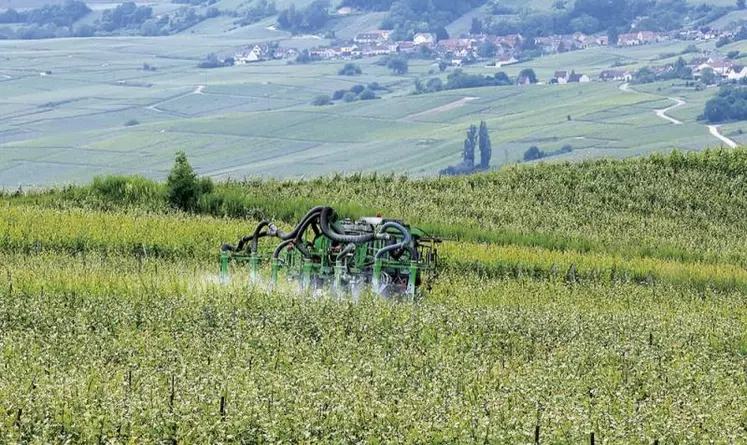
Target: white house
{"type": "Point", "coordinates": [737, 72]}
{"type": "Point", "coordinates": [424, 39]}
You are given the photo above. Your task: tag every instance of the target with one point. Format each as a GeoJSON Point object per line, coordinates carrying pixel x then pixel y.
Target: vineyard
{"type": "Point", "coordinates": [594, 302]}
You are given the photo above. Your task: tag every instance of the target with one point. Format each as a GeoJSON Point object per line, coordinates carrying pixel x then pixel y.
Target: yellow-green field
{"type": "Point", "coordinates": [603, 298]}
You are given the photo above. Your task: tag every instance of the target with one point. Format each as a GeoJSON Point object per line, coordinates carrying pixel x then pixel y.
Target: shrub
{"type": "Point", "coordinates": [321, 100]}
{"type": "Point", "coordinates": [358, 89]}
{"type": "Point", "coordinates": [131, 123]}
{"type": "Point", "coordinates": [339, 94]}
{"type": "Point", "coordinates": [367, 94]}
{"type": "Point", "coordinates": [349, 97]}
{"type": "Point", "coordinates": [183, 188]}
{"type": "Point", "coordinates": [350, 69]}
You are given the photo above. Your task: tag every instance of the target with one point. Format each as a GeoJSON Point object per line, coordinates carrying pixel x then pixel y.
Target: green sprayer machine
{"type": "Point", "coordinates": [326, 251]}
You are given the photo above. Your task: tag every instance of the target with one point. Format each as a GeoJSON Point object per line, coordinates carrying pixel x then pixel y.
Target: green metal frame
{"type": "Point", "coordinates": [323, 266]}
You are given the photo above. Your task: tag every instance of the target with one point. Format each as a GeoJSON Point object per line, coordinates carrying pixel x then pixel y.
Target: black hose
{"type": "Point", "coordinates": [350, 248]}
{"type": "Point", "coordinates": [404, 244]}
{"type": "Point", "coordinates": [239, 248]}
{"type": "Point", "coordinates": [280, 247]}
{"type": "Point", "coordinates": [331, 233]}
{"type": "Point", "coordinates": [310, 216]}
{"type": "Point", "coordinates": [257, 235]}
{"type": "Point", "coordinates": [301, 248]}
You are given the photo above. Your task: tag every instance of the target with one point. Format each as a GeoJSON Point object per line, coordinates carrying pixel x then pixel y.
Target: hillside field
{"type": "Point", "coordinates": [256, 120]}
{"type": "Point", "coordinates": [601, 298]}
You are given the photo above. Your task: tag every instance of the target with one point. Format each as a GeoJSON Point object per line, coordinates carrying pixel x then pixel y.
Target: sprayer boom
{"type": "Point", "coordinates": [326, 251]}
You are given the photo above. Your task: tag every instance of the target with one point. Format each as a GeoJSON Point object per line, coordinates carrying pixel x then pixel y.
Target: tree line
{"type": "Point", "coordinates": [51, 21]}
{"type": "Point", "coordinates": [729, 104]}
{"type": "Point", "coordinates": [310, 19]}
{"type": "Point", "coordinates": [458, 79]}
{"type": "Point", "coordinates": [594, 16]}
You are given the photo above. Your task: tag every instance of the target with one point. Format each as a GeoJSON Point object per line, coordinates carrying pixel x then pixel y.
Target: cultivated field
{"type": "Point", "coordinates": [602, 298]}
{"type": "Point", "coordinates": [256, 120]}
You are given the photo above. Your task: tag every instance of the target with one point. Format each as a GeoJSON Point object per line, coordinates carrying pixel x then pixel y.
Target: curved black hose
{"type": "Point", "coordinates": [404, 244]}
{"type": "Point", "coordinates": [301, 248]}
{"type": "Point", "coordinates": [310, 216]}
{"type": "Point", "coordinates": [350, 248]}
{"type": "Point", "coordinates": [332, 233]}
{"type": "Point", "coordinates": [257, 235]}
{"type": "Point", "coordinates": [280, 247]}
{"type": "Point", "coordinates": [239, 247]}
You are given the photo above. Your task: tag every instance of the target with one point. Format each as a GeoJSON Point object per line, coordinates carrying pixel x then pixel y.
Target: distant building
{"type": "Point", "coordinates": [424, 39]}
{"type": "Point", "coordinates": [615, 75]}
{"type": "Point", "coordinates": [737, 72]}
{"type": "Point", "coordinates": [578, 78]}
{"type": "Point", "coordinates": [378, 36]}
{"type": "Point", "coordinates": [560, 77]}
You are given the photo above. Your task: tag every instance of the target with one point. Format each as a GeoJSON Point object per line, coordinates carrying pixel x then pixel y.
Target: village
{"type": "Point", "coordinates": [498, 51]}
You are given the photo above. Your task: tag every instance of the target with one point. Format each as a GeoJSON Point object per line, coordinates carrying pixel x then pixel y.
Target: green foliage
{"type": "Point", "coordinates": [470, 143]}
{"type": "Point", "coordinates": [350, 69]}
{"type": "Point", "coordinates": [367, 94]}
{"type": "Point", "coordinates": [321, 100]}
{"type": "Point", "coordinates": [589, 287]}
{"type": "Point", "coordinates": [310, 19]}
{"type": "Point", "coordinates": [113, 192]}
{"type": "Point", "coordinates": [527, 75]}
{"type": "Point", "coordinates": [533, 153]}
{"type": "Point", "coordinates": [407, 17]}
{"type": "Point", "coordinates": [708, 76]}
{"type": "Point", "coordinates": [398, 65]}
{"type": "Point", "coordinates": [486, 148]}
{"type": "Point", "coordinates": [183, 188]}
{"type": "Point", "coordinates": [126, 15]}
{"type": "Point", "coordinates": [599, 16]}
{"type": "Point", "coordinates": [729, 104]}
{"type": "Point", "coordinates": [256, 11]}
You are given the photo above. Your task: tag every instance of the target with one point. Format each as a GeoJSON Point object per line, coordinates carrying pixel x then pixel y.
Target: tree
{"type": "Point", "coordinates": [740, 4]}
{"type": "Point", "coordinates": [183, 188]}
{"type": "Point", "coordinates": [398, 65]}
{"type": "Point", "coordinates": [612, 36]}
{"type": "Point", "coordinates": [533, 153]}
{"type": "Point", "coordinates": [321, 100]}
{"type": "Point", "coordinates": [707, 76]}
{"type": "Point", "coordinates": [527, 75]}
{"type": "Point", "coordinates": [367, 94]}
{"type": "Point", "coordinates": [357, 89]}
{"type": "Point", "coordinates": [476, 27]}
{"type": "Point", "coordinates": [487, 49]}
{"type": "Point", "coordinates": [486, 149]}
{"type": "Point", "coordinates": [350, 69]}
{"type": "Point", "coordinates": [339, 94]}
{"type": "Point", "coordinates": [349, 97]}
{"type": "Point", "coordinates": [470, 143]}
{"type": "Point", "coordinates": [441, 33]}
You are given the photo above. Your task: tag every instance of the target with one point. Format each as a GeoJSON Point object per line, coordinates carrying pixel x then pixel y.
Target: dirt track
{"type": "Point", "coordinates": [433, 111]}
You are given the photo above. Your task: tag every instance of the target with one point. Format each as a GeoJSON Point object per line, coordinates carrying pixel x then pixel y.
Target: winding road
{"type": "Point", "coordinates": [662, 113]}
{"type": "Point", "coordinates": [441, 109]}
{"type": "Point", "coordinates": [154, 107]}
{"type": "Point", "coordinates": [713, 129]}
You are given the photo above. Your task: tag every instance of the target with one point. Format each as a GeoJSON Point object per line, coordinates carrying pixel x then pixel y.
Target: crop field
{"type": "Point", "coordinates": [600, 298]}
